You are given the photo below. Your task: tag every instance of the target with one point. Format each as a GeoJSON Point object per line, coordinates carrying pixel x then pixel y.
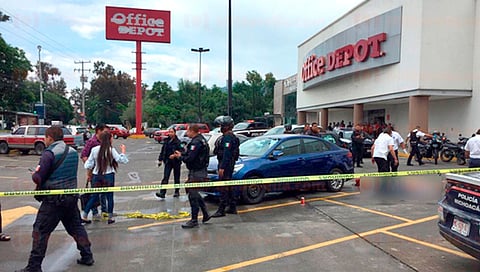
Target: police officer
{"type": "Point", "coordinates": [196, 158]}
{"type": "Point", "coordinates": [414, 138]}
{"type": "Point", "coordinates": [57, 170]}
{"type": "Point", "coordinates": [170, 145]}
{"type": "Point", "coordinates": [357, 145]}
{"type": "Point", "coordinates": [227, 151]}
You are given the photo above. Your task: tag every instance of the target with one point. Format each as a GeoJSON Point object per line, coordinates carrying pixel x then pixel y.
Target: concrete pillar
{"type": "Point", "coordinates": [418, 112]}
{"type": "Point", "coordinates": [301, 117]}
{"type": "Point", "coordinates": [324, 118]}
{"type": "Point", "coordinates": [357, 114]}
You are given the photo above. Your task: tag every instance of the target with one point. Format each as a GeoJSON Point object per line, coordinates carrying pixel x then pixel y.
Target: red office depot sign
{"type": "Point", "coordinates": [359, 52]}
{"type": "Point", "coordinates": [137, 24]}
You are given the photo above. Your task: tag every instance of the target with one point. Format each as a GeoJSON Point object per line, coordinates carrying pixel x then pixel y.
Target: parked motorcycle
{"type": "Point", "coordinates": [452, 150]}
{"type": "Point", "coordinates": [431, 148]}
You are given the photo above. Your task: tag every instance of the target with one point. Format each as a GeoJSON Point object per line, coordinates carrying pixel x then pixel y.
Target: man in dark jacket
{"type": "Point", "coordinates": [57, 170]}
{"type": "Point", "coordinates": [357, 145]}
{"type": "Point", "coordinates": [196, 158]}
{"type": "Point", "coordinates": [227, 151]}
{"type": "Point", "coordinates": [167, 156]}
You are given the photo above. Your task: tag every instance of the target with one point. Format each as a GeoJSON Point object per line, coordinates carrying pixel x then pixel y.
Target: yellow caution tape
{"type": "Point", "coordinates": [132, 188]}
{"type": "Point", "coordinates": [156, 216]}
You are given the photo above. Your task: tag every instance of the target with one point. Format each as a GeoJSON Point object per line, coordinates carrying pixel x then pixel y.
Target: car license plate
{"type": "Point", "coordinates": [461, 227]}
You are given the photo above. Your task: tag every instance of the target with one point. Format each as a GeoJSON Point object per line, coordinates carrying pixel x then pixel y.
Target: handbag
{"type": "Point", "coordinates": [39, 187]}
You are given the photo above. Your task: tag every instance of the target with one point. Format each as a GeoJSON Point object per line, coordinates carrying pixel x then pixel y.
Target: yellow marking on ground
{"type": "Point", "coordinates": [437, 247]}
{"type": "Point", "coordinates": [319, 245]}
{"type": "Point", "coordinates": [6, 177]}
{"type": "Point", "coordinates": [368, 210]}
{"type": "Point", "coordinates": [8, 216]}
{"type": "Point", "coordinates": [247, 210]}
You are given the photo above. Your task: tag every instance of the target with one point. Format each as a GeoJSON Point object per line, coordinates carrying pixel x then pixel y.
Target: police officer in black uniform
{"type": "Point", "coordinates": [196, 158]}
{"type": "Point", "coordinates": [57, 170]}
{"type": "Point", "coordinates": [170, 145]}
{"type": "Point", "coordinates": [414, 139]}
{"type": "Point", "coordinates": [357, 145]}
{"type": "Point", "coordinates": [227, 151]}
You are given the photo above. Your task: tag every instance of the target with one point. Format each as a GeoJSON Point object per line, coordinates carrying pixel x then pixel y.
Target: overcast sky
{"type": "Point", "coordinates": [265, 36]}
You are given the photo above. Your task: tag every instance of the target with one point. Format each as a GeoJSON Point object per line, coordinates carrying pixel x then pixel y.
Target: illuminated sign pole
{"type": "Point", "coordinates": [137, 25]}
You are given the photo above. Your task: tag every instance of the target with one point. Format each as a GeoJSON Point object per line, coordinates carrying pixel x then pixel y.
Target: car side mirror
{"type": "Point", "coordinates": [275, 154]}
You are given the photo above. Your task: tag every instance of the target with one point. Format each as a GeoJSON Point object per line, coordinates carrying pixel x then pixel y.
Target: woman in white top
{"type": "Point", "coordinates": [104, 161]}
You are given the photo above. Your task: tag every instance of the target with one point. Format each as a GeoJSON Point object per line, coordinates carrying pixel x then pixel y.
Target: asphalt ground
{"type": "Point", "coordinates": [358, 229]}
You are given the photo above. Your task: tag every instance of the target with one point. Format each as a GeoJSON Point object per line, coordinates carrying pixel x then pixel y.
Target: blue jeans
{"type": "Point", "coordinates": [107, 180]}
{"type": "Point", "coordinates": [473, 163]}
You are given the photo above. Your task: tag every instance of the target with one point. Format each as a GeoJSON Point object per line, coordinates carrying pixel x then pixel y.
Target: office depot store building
{"type": "Point", "coordinates": [405, 62]}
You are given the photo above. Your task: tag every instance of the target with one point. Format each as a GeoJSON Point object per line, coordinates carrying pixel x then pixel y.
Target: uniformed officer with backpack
{"type": "Point", "coordinates": [227, 152]}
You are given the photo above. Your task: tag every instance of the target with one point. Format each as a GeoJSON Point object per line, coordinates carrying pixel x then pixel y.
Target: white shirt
{"type": "Point", "coordinates": [473, 145]}
{"type": "Point", "coordinates": [418, 133]}
{"type": "Point", "coordinates": [397, 140]}
{"type": "Point", "coordinates": [91, 161]}
{"type": "Point", "coordinates": [381, 146]}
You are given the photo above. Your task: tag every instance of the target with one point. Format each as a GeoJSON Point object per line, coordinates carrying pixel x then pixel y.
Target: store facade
{"type": "Point", "coordinates": [405, 62]}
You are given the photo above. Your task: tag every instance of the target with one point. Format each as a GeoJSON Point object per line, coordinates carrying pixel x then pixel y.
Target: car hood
{"type": "Point", "coordinates": [213, 162]}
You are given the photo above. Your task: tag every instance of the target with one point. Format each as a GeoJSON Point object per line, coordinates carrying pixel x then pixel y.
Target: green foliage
{"type": "Point", "coordinates": [57, 107]}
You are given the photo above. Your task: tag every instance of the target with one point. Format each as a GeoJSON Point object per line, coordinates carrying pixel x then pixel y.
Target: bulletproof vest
{"type": "Point", "coordinates": [413, 138]}
{"type": "Point", "coordinates": [65, 176]}
{"type": "Point", "coordinates": [220, 148]}
{"type": "Point", "coordinates": [203, 154]}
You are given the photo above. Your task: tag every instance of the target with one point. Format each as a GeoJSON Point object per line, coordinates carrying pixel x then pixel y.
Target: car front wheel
{"type": "Point", "coordinates": [335, 185]}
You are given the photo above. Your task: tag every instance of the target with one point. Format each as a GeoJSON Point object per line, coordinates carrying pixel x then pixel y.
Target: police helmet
{"type": "Point", "coordinates": [224, 121]}
{"type": "Point", "coordinates": [288, 127]}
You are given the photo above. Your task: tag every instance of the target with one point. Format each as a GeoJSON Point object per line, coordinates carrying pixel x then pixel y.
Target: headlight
{"type": "Point", "coordinates": [237, 167]}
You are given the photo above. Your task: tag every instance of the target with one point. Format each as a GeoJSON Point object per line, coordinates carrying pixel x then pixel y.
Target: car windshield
{"type": "Point", "coordinates": [257, 147]}
{"type": "Point", "coordinates": [275, 131]}
{"type": "Point", "coordinates": [241, 126]}
{"type": "Point", "coordinates": [347, 134]}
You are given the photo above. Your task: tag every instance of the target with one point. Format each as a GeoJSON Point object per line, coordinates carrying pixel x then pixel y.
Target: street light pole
{"type": "Point", "coordinates": [41, 119]}
{"type": "Point", "coordinates": [200, 50]}
{"type": "Point", "coordinates": [40, 73]}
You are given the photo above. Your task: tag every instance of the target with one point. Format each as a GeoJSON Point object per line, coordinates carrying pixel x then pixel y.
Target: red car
{"type": "Point", "coordinates": [161, 135]}
{"type": "Point", "coordinates": [118, 131]}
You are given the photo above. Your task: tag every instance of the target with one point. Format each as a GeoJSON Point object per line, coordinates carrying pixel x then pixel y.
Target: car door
{"type": "Point", "coordinates": [288, 164]}
{"type": "Point", "coordinates": [318, 157]}
{"type": "Point", "coordinates": [30, 137]}
{"type": "Point", "coordinates": [18, 138]}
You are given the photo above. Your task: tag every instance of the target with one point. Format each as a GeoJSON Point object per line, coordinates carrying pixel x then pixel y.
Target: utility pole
{"type": "Point", "coordinates": [42, 116]}
{"type": "Point", "coordinates": [200, 51]}
{"type": "Point", "coordinates": [83, 79]}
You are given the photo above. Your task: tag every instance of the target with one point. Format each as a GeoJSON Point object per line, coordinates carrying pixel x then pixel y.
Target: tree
{"type": "Point", "coordinates": [58, 108]}
{"type": "Point", "coordinates": [14, 68]}
{"type": "Point", "coordinates": [110, 94]}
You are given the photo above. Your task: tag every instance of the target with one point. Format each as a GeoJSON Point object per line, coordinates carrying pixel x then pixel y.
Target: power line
{"type": "Point", "coordinates": [34, 33]}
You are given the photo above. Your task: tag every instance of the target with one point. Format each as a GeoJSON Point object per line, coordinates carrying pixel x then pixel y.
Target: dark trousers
{"type": "Point", "coordinates": [357, 151]}
{"type": "Point", "coordinates": [472, 163]}
{"type": "Point", "coordinates": [391, 161]}
{"type": "Point", "coordinates": [227, 193]}
{"type": "Point", "coordinates": [107, 180]}
{"type": "Point", "coordinates": [415, 152]}
{"type": "Point", "coordinates": [54, 209]}
{"type": "Point", "coordinates": [166, 175]}
{"type": "Point", "coordinates": [382, 164]}
{"type": "Point", "coordinates": [194, 197]}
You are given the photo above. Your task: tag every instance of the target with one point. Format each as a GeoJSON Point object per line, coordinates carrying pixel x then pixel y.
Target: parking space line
{"type": "Point", "coordinates": [6, 177]}
{"type": "Point", "coordinates": [368, 210]}
{"type": "Point", "coordinates": [10, 215]}
{"type": "Point", "coordinates": [437, 247]}
{"type": "Point", "coordinates": [246, 210]}
{"type": "Point", "coordinates": [320, 245]}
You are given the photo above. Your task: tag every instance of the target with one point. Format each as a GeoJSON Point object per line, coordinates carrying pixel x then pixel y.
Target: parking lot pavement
{"type": "Point", "coordinates": [353, 230]}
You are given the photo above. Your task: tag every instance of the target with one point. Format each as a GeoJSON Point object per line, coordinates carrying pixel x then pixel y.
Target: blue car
{"type": "Point", "coordinates": [285, 155]}
{"type": "Point", "coordinates": [459, 212]}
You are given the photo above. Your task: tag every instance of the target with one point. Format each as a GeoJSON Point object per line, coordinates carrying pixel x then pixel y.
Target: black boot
{"type": "Point", "coordinates": [219, 213]}
{"type": "Point", "coordinates": [190, 224]}
{"type": "Point", "coordinates": [177, 193]}
{"type": "Point", "coordinates": [231, 210]}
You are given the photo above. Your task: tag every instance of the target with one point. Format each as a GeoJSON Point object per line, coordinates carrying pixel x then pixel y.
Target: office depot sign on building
{"type": "Point", "coordinates": [367, 45]}
{"type": "Point", "coordinates": [137, 24]}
